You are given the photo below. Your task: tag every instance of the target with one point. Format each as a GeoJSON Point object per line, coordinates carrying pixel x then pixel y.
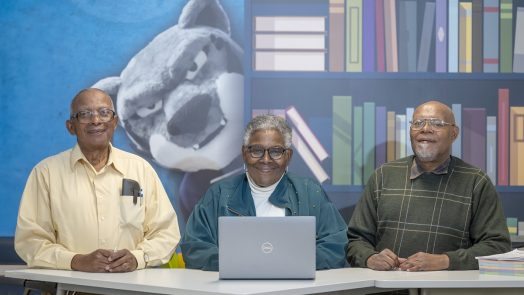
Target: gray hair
{"type": "Point", "coordinates": [268, 122]}
{"type": "Point", "coordinates": [86, 90]}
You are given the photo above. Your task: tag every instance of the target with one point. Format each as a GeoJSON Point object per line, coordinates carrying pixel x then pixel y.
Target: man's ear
{"type": "Point", "coordinates": [70, 127]}
{"type": "Point", "coordinates": [455, 133]}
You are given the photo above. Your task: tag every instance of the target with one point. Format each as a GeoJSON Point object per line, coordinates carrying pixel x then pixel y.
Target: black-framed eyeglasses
{"type": "Point", "coordinates": [257, 151]}
{"type": "Point", "coordinates": [434, 124]}
{"type": "Point", "coordinates": [86, 116]}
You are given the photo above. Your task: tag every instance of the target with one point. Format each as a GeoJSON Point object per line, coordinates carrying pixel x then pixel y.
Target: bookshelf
{"type": "Point", "coordinates": [383, 86]}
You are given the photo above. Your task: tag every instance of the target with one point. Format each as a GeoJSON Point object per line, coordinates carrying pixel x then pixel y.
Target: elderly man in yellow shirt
{"type": "Point", "coordinates": [94, 207]}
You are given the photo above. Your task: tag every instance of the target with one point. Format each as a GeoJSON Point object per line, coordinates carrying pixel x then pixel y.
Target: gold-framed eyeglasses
{"type": "Point", "coordinates": [257, 151]}
{"type": "Point", "coordinates": [433, 123]}
{"type": "Point", "coordinates": [86, 116]}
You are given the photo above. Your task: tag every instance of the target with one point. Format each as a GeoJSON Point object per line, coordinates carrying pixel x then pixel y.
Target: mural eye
{"type": "Point", "coordinates": [146, 111]}
{"type": "Point", "coordinates": [198, 63]}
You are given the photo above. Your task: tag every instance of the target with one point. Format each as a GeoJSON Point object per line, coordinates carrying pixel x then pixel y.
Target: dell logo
{"type": "Point", "coordinates": [267, 247]}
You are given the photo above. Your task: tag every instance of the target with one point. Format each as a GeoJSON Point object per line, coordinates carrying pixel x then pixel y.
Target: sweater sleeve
{"type": "Point", "coordinates": [362, 227]}
{"type": "Point", "coordinates": [488, 231]}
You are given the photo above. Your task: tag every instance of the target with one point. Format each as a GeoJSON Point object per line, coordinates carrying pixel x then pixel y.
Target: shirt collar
{"type": "Point", "coordinates": [416, 170]}
{"type": "Point", "coordinates": [77, 156]}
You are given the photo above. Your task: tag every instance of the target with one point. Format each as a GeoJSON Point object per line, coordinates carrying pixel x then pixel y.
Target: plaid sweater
{"type": "Point", "coordinates": [457, 213]}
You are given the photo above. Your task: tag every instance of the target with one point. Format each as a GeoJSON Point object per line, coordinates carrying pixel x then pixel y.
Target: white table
{"type": "Point", "coordinates": [348, 281]}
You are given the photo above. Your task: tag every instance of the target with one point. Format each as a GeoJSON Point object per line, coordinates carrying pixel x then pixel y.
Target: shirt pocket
{"type": "Point", "coordinates": [131, 214]}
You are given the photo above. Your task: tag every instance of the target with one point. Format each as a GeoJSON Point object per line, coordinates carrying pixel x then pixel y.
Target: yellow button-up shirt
{"type": "Point", "coordinates": [69, 208]}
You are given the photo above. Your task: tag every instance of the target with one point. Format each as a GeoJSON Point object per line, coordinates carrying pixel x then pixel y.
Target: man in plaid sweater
{"type": "Point", "coordinates": [430, 211]}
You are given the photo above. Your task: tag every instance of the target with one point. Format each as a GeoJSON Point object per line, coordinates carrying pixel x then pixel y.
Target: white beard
{"type": "Point", "coordinates": [425, 152]}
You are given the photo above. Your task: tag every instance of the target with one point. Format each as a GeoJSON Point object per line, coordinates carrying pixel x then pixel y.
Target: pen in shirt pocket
{"type": "Point", "coordinates": [132, 188]}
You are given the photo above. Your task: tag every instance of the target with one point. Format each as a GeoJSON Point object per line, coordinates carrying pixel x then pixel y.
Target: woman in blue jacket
{"type": "Point", "coordinates": [265, 189]}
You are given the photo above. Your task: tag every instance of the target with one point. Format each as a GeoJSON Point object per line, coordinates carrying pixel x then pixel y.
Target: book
{"type": "Point", "coordinates": [310, 138]}
{"type": "Point", "coordinates": [510, 263]}
{"type": "Point", "coordinates": [308, 157]}
{"type": "Point", "coordinates": [503, 137]}
{"type": "Point", "coordinates": [407, 36]}
{"type": "Point", "coordinates": [290, 41]}
{"type": "Point", "coordinates": [456, 148]}
{"type": "Point", "coordinates": [491, 148]}
{"type": "Point", "coordinates": [380, 36]}
{"type": "Point", "coordinates": [290, 24]}
{"type": "Point", "coordinates": [516, 145]}
{"type": "Point", "coordinates": [506, 36]}
{"type": "Point", "coordinates": [512, 224]}
{"type": "Point", "coordinates": [441, 36]}
{"type": "Point", "coordinates": [518, 53]}
{"type": "Point", "coordinates": [400, 136]}
{"type": "Point", "coordinates": [465, 37]}
{"type": "Point", "coordinates": [407, 144]}
{"type": "Point", "coordinates": [289, 61]}
{"type": "Point", "coordinates": [368, 37]}
{"type": "Point", "coordinates": [380, 135]}
{"type": "Point", "coordinates": [491, 36]}
{"type": "Point", "coordinates": [426, 37]}
{"type": "Point", "coordinates": [453, 38]}
{"type": "Point", "coordinates": [390, 35]}
{"type": "Point", "coordinates": [391, 145]}
{"type": "Point", "coordinates": [342, 141]}
{"type": "Point", "coordinates": [368, 139]}
{"type": "Point", "coordinates": [354, 35]}
{"type": "Point", "coordinates": [358, 162]}
{"type": "Point", "coordinates": [336, 35]}
{"type": "Point", "coordinates": [476, 36]}
{"type": "Point", "coordinates": [474, 136]}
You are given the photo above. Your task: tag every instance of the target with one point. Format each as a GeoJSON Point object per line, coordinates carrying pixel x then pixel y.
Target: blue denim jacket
{"type": "Point", "coordinates": [232, 197]}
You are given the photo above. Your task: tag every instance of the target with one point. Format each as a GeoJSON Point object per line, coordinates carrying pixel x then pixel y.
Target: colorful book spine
{"type": "Point", "coordinates": [465, 37]}
{"type": "Point", "coordinates": [306, 132]}
{"type": "Point", "coordinates": [390, 29]}
{"type": "Point", "coordinates": [380, 35]}
{"type": "Point", "coordinates": [506, 36]}
{"type": "Point", "coordinates": [441, 36]}
{"type": "Point", "coordinates": [391, 146]}
{"type": "Point", "coordinates": [368, 144]}
{"type": "Point", "coordinates": [474, 136]}
{"type": "Point", "coordinates": [518, 57]}
{"type": "Point", "coordinates": [491, 148]}
{"type": "Point", "coordinates": [308, 157]}
{"type": "Point", "coordinates": [516, 146]}
{"type": "Point", "coordinates": [407, 144]}
{"type": "Point", "coordinates": [342, 120]}
{"type": "Point", "coordinates": [456, 148]}
{"type": "Point", "coordinates": [380, 135]}
{"type": "Point", "coordinates": [426, 37]}
{"type": "Point", "coordinates": [358, 139]}
{"type": "Point", "coordinates": [512, 224]}
{"type": "Point", "coordinates": [503, 138]}
{"type": "Point", "coordinates": [368, 37]}
{"type": "Point", "coordinates": [354, 35]}
{"type": "Point", "coordinates": [400, 136]}
{"type": "Point", "coordinates": [407, 36]}
{"type": "Point", "coordinates": [336, 35]}
{"type": "Point", "coordinates": [476, 32]}
{"type": "Point", "coordinates": [491, 36]}
{"type": "Point", "coordinates": [453, 32]}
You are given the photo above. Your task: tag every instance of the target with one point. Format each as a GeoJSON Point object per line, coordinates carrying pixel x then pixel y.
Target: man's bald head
{"type": "Point", "coordinates": [86, 92]}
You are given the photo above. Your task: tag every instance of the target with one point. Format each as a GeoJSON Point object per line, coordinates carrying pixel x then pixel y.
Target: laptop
{"type": "Point", "coordinates": [267, 247]}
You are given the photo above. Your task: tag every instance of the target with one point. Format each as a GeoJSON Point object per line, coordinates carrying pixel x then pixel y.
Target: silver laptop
{"type": "Point", "coordinates": [266, 247]}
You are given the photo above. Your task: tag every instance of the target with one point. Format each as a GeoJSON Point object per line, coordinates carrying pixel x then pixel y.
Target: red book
{"type": "Point", "coordinates": [503, 137]}
{"type": "Point", "coordinates": [379, 17]}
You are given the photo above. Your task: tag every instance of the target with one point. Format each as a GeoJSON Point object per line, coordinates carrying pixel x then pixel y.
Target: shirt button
{"type": "Point", "coordinates": [102, 242]}
{"type": "Point", "coordinates": [102, 218]}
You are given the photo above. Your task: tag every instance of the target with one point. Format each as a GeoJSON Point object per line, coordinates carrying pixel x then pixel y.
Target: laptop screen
{"type": "Point", "coordinates": [266, 247]}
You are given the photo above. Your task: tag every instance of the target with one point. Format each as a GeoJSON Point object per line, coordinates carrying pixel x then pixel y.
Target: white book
{"type": "Point", "coordinates": [290, 24]}
{"type": "Point", "coordinates": [518, 57]}
{"type": "Point", "coordinates": [290, 41]}
{"type": "Point", "coordinates": [409, 117]}
{"type": "Point", "coordinates": [306, 132]}
{"type": "Point", "coordinates": [400, 134]}
{"type": "Point", "coordinates": [308, 157]}
{"type": "Point", "coordinates": [290, 61]}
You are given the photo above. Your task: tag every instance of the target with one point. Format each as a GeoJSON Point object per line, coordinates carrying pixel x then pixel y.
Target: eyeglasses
{"type": "Point", "coordinates": [86, 116]}
{"type": "Point", "coordinates": [434, 124]}
{"type": "Point", "coordinates": [257, 151]}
